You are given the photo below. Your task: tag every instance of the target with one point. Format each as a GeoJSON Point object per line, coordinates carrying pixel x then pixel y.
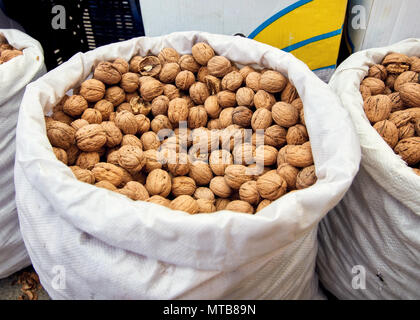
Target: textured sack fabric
{"type": "Point", "coordinates": [14, 76]}
{"type": "Point", "coordinates": [377, 224]}
{"type": "Point", "coordinates": [90, 243]}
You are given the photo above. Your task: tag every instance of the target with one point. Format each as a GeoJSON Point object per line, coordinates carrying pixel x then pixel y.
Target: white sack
{"type": "Point", "coordinates": [110, 247]}
{"type": "Point", "coordinates": [377, 224]}
{"type": "Point", "coordinates": [14, 76]}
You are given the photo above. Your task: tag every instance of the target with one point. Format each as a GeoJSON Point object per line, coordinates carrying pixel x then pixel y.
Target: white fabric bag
{"type": "Point", "coordinates": [91, 243]}
{"type": "Point", "coordinates": [376, 227]}
{"type": "Point", "coordinates": [14, 76]}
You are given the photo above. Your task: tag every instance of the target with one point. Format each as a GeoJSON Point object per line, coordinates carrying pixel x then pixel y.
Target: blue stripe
{"type": "Point", "coordinates": [328, 67]}
{"type": "Point", "coordinates": [278, 15]}
{"type": "Point", "coordinates": [313, 39]}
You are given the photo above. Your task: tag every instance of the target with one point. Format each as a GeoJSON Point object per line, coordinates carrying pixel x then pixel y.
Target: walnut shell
{"type": "Point", "coordinates": [92, 90]}
{"type": "Point", "coordinates": [289, 174]}
{"type": "Point", "coordinates": [202, 73]}
{"type": "Point", "coordinates": [197, 117]}
{"type": "Point", "coordinates": [406, 77]}
{"type": "Point", "coordinates": [206, 206]}
{"type": "Point", "coordinates": [152, 162]}
{"type": "Point", "coordinates": [105, 108]}
{"type": "Point", "coordinates": [284, 114]}
{"type": "Point", "coordinates": [298, 156]}
{"type": "Point", "coordinates": [297, 135]}
{"type": "Point", "coordinates": [169, 72]}
{"type": "Point", "coordinates": [91, 138]}
{"type": "Point", "coordinates": [151, 89]}
{"type": "Point", "coordinates": [150, 140]}
{"type": "Point", "coordinates": [135, 191]}
{"type": "Point", "coordinates": [212, 107]}
{"type": "Point", "coordinates": [75, 105]}
{"type": "Point", "coordinates": [410, 94]}
{"type": "Point", "coordinates": [396, 102]}
{"type": "Point", "coordinates": [204, 193]}
{"type": "Point", "coordinates": [289, 93]}
{"type": "Point", "coordinates": [72, 154]}
{"type": "Point", "coordinates": [400, 118]}
{"type": "Point", "coordinates": [134, 64]}
{"type": "Point", "coordinates": [406, 131]}
{"type": "Point", "coordinates": [221, 204]}
{"type": "Point", "coordinates": [115, 95]}
{"type": "Point", "coordinates": [92, 116]}
{"type": "Point", "coordinates": [240, 206]}
{"type": "Point", "coordinates": [126, 122]}
{"type": "Point", "coordinates": [178, 110]}
{"type": "Point", "coordinates": [108, 172]}
{"type": "Point", "coordinates": [131, 158]}
{"type": "Point", "coordinates": [377, 108]}
{"type": "Point", "coordinates": [106, 185]}
{"type": "Point", "coordinates": [129, 82]}
{"type": "Point", "coordinates": [242, 116]}
{"type": "Point", "coordinates": [275, 136]}
{"type": "Point", "coordinates": [185, 203]}
{"type": "Point", "coordinates": [248, 192]}
{"type": "Point", "coordinates": [161, 122]}
{"type": "Point", "coordinates": [201, 173]}
{"type": "Point", "coordinates": [83, 175]}
{"type": "Point", "coordinates": [365, 91]}
{"type": "Point", "coordinates": [417, 126]}
{"type": "Point", "coordinates": [7, 55]}
{"type": "Point", "coordinates": [202, 53]}
{"type": "Point", "coordinates": [409, 150]}
{"type": "Point", "coordinates": [252, 81]}
{"type": "Point", "coordinates": [214, 124]}
{"type": "Point", "coordinates": [149, 66]}
{"type": "Point", "coordinates": [272, 81]}
{"type": "Point", "coordinates": [219, 187]}
{"type": "Point", "coordinates": [263, 204]}
{"type": "Point", "coordinates": [236, 175]}
{"type": "Point", "coordinates": [107, 73]}
{"type": "Point", "coordinates": [61, 155]}
{"type": "Point", "coordinates": [168, 55]}
{"type": "Point", "coordinates": [158, 182]}
{"type": "Point", "coordinates": [226, 99]}
{"type": "Point", "coordinates": [226, 117]}
{"type": "Point", "coordinates": [243, 153]}
{"type": "Point", "coordinates": [87, 160]}
{"type": "Point", "coordinates": [121, 65]}
{"type": "Point", "coordinates": [245, 97]}
{"type": "Point", "coordinates": [179, 167]}
{"type": "Point", "coordinates": [183, 186]}
{"type": "Point", "coordinates": [61, 135]}
{"type": "Point", "coordinates": [378, 71]}
{"type": "Point", "coordinates": [219, 66]}
{"type": "Point", "coordinates": [184, 80]}
{"type": "Point", "coordinates": [271, 185]}
{"type": "Point", "coordinates": [306, 178]}
{"type": "Point", "coordinates": [375, 85]}
{"type": "Point", "coordinates": [219, 160]}
{"type": "Point", "coordinates": [261, 119]}
{"type": "Point", "coordinates": [213, 83]}
{"type": "Point", "coordinates": [187, 62]}
{"type": "Point", "coordinates": [245, 71]}
{"type": "Point", "coordinates": [62, 117]}
{"type": "Point", "coordinates": [160, 105]}
{"type": "Point", "coordinates": [199, 92]}
{"type": "Point", "coordinates": [159, 200]}
{"type": "Point", "coordinates": [396, 63]}
{"type": "Point", "coordinates": [232, 81]}
{"type": "Point", "coordinates": [266, 155]}
{"type": "Point", "coordinates": [388, 131]}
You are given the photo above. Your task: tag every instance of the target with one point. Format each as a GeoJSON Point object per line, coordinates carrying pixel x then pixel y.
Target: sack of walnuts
{"type": "Point", "coordinates": [21, 61]}
{"type": "Point", "coordinates": [370, 242]}
{"type": "Point", "coordinates": [133, 185]}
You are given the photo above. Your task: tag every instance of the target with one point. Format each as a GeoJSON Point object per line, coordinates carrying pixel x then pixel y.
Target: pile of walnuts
{"type": "Point", "coordinates": [391, 94]}
{"type": "Point", "coordinates": [120, 127]}
{"type": "Point", "coordinates": [7, 52]}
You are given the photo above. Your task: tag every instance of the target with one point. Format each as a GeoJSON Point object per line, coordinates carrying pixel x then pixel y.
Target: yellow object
{"type": "Point", "coordinates": [309, 29]}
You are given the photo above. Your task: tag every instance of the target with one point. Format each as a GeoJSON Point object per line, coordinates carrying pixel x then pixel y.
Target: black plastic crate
{"type": "Point", "coordinates": [89, 24]}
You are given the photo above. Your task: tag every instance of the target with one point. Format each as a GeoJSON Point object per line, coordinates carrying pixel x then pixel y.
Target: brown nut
{"type": "Point", "coordinates": [261, 119]}
{"type": "Point", "coordinates": [185, 203]}
{"type": "Point", "coordinates": [169, 72]}
{"type": "Point", "coordinates": [245, 97]}
{"type": "Point", "coordinates": [151, 89]}
{"type": "Point", "coordinates": [271, 185]}
{"type": "Point", "coordinates": [75, 105]}
{"type": "Point", "coordinates": [248, 192]}
{"type": "Point", "coordinates": [160, 105]}
{"type": "Point", "coordinates": [400, 118]}
{"type": "Point", "coordinates": [161, 122]}
{"type": "Point", "coordinates": [92, 90]}
{"type": "Point", "coordinates": [417, 126]}
{"type": "Point", "coordinates": [184, 80]}
{"type": "Point", "coordinates": [266, 155]}
{"type": "Point", "coordinates": [167, 55]}
{"type": "Point", "coordinates": [149, 66]}
{"type": "Point", "coordinates": [107, 73]}
{"type": "Point", "coordinates": [135, 191]}
{"type": "Point", "coordinates": [221, 204]}
{"type": "Point", "coordinates": [113, 134]}
{"type": "Point", "coordinates": [284, 114]}
{"type": "Point", "coordinates": [236, 175]}
{"type": "Point", "coordinates": [152, 162]}
{"type": "Point", "coordinates": [199, 92]}
{"type": "Point", "coordinates": [121, 65]}
{"type": "Point", "coordinates": [129, 82]}
{"type": "Point", "coordinates": [115, 95]}
{"type": "Point", "coordinates": [243, 153]}
{"type": "Point", "coordinates": [87, 160]}
{"type": "Point", "coordinates": [178, 110]}
{"type": "Point", "coordinates": [219, 187]}
{"type": "Point", "coordinates": [226, 117]}
{"type": "Point", "coordinates": [83, 175]}
{"type": "Point", "coordinates": [365, 92]}
{"type": "Point", "coordinates": [7, 55]}
{"type": "Point", "coordinates": [159, 200]}
{"type": "Point", "coordinates": [263, 204]}
{"type": "Point", "coordinates": [263, 99]}
{"type": "Point", "coordinates": [61, 135]}
{"type": "Point", "coordinates": [62, 117]}
{"type": "Point", "coordinates": [105, 108]}
{"type": "Point", "coordinates": [134, 64]}
{"type": "Point", "coordinates": [139, 106]}
{"type": "Point", "coordinates": [298, 156]}
{"type": "Point", "coordinates": [181, 165]}
{"type": "Point", "coordinates": [143, 123]}
{"type": "Point", "coordinates": [275, 136]}
{"type": "Point", "coordinates": [91, 138]}
{"type": "Point", "coordinates": [306, 178]}
{"type": "Point", "coordinates": [183, 186]}
{"type": "Point", "coordinates": [410, 94]}
{"type": "Point", "coordinates": [150, 140]}
{"type": "Point", "coordinates": [187, 62]}
{"type": "Point", "coordinates": [297, 135]}
{"type": "Point", "coordinates": [406, 77]}
{"type": "Point", "coordinates": [212, 107]}
{"type": "Point", "coordinates": [242, 116]}
{"type": "Point", "coordinates": [201, 173]}
{"type": "Point", "coordinates": [158, 182]}
{"type": "Point", "coordinates": [219, 66]}
{"type": "Point", "coordinates": [240, 206]}
{"type": "Point", "coordinates": [108, 172]}
{"type": "Point", "coordinates": [252, 81]}
{"type": "Point", "coordinates": [202, 53]}
{"type": "Point", "coordinates": [396, 63]}
{"type": "Point", "coordinates": [377, 108]}
{"type": "Point", "coordinates": [226, 99]}
{"type": "Point", "coordinates": [213, 83]}
{"type": "Point", "coordinates": [289, 174]}
{"type": "Point", "coordinates": [106, 185]}
{"type": "Point", "coordinates": [131, 158]}
{"type": "Point", "coordinates": [272, 81]}
{"type": "Point", "coordinates": [219, 160]}
{"type": "Point", "coordinates": [126, 122]}
{"type": "Point", "coordinates": [396, 102]}
{"type": "Point", "coordinates": [409, 150]}
{"type": "Point", "coordinates": [375, 85]}
{"type": "Point", "coordinates": [232, 81]}
{"type": "Point", "coordinates": [406, 131]}
{"type": "Point", "coordinates": [245, 71]}
{"type": "Point", "coordinates": [388, 131]}
{"type": "Point", "coordinates": [72, 154]}
{"type": "Point", "coordinates": [206, 206]}
{"type": "Point", "coordinates": [202, 73]}
{"type": "Point", "coordinates": [197, 117]}
{"type": "Point", "coordinates": [289, 93]}
{"type": "Point", "coordinates": [61, 155]}
{"type": "Point", "coordinates": [204, 193]}
{"type": "Point", "coordinates": [214, 124]}
{"type": "Point", "coordinates": [378, 71]}
{"type": "Point", "coordinates": [92, 116]}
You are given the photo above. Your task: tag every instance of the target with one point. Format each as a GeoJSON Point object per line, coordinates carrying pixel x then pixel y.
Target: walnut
{"type": "Point", "coordinates": [388, 131]}
{"type": "Point", "coordinates": [284, 114]}
{"type": "Point", "coordinates": [113, 134]}
{"type": "Point", "coordinates": [240, 206]}
{"type": "Point", "coordinates": [115, 95]}
{"type": "Point", "coordinates": [169, 72]}
{"type": "Point", "coordinates": [187, 62]}
{"type": "Point", "coordinates": [213, 83]}
{"type": "Point", "coordinates": [61, 135]}
{"type": "Point", "coordinates": [131, 158]}
{"type": "Point", "coordinates": [263, 204]}
{"type": "Point", "coordinates": [92, 90]}
{"type": "Point", "coordinates": [297, 135]}
{"type": "Point", "coordinates": [150, 140]}
{"type": "Point", "coordinates": [183, 186]}
{"type": "Point", "coordinates": [306, 178]}
{"type": "Point", "coordinates": [72, 154]}
{"type": "Point", "coordinates": [158, 182]}
{"type": "Point", "coordinates": [126, 122]}
{"type": "Point", "coordinates": [219, 160]}
{"type": "Point", "coordinates": [266, 155]}
{"type": "Point", "coordinates": [226, 99]}
{"type": "Point", "coordinates": [83, 175]}
{"type": "Point", "coordinates": [62, 117]}
{"type": "Point", "coordinates": [129, 82]}
{"type": "Point", "coordinates": [221, 204]}
{"type": "Point", "coordinates": [91, 137]}
{"type": "Point", "coordinates": [206, 206]}
{"type": "Point", "coordinates": [161, 122]}
{"type": "Point", "coordinates": [199, 92]}
{"type": "Point", "coordinates": [205, 139]}
{"type": "Point", "coordinates": [7, 55]}
{"type": "Point", "coordinates": [143, 123]}
{"type": "Point", "coordinates": [160, 105]}
{"type": "Point", "coordinates": [409, 150]}
{"type": "Point", "coordinates": [185, 203]}
{"type": "Point", "coordinates": [275, 136]}
{"type": "Point", "coordinates": [105, 108]}
{"type": "Point", "coordinates": [214, 124]}
{"type": "Point", "coordinates": [212, 107]}
{"type": "Point", "coordinates": [252, 81]}
{"type": "Point", "coordinates": [377, 108]}
{"type": "Point", "coordinates": [139, 106]}
{"type": "Point", "coordinates": [417, 126]}
{"type": "Point", "coordinates": [167, 55]}
{"type": "Point", "coordinates": [375, 85]}
{"type": "Point", "coordinates": [121, 65]}
{"type": "Point", "coordinates": [201, 173]}
{"type": "Point", "coordinates": [106, 185]}
{"type": "Point", "coordinates": [406, 77]}
{"type": "Point", "coordinates": [289, 174]}
{"type": "Point", "coordinates": [261, 119]}
{"type": "Point", "coordinates": [396, 102]}
{"type": "Point", "coordinates": [415, 64]}
{"type": "Point", "coordinates": [289, 93]}
{"type": "Point", "coordinates": [298, 156]}
{"type": "Point", "coordinates": [108, 172]}
{"type": "Point", "coordinates": [149, 66]}
{"type": "Point", "coordinates": [271, 185]}
{"type": "Point", "coordinates": [202, 73]}
{"type": "Point", "coordinates": [197, 117]}
{"type": "Point", "coordinates": [243, 153]}
{"type": "Point", "coordinates": [219, 66]}
{"type": "Point", "coordinates": [179, 167]}
{"type": "Point", "coordinates": [245, 71]}
{"type": "Point", "coordinates": [159, 200]}
{"type": "Point", "coordinates": [135, 191]}
{"type": "Point", "coordinates": [61, 155]}
{"type": "Point", "coordinates": [202, 53]}
{"type": "Point", "coordinates": [236, 175]}
{"type": "Point", "coordinates": [219, 187]}
{"type": "Point", "coordinates": [75, 105]}
{"type": "Point", "coordinates": [152, 162]}
{"type": "Point", "coordinates": [248, 192]}
{"type": "Point", "coordinates": [410, 94]}
{"type": "Point", "coordinates": [134, 64]}
{"type": "Point", "coordinates": [92, 116]}
{"type": "Point", "coordinates": [396, 63]}
{"type": "Point", "coordinates": [226, 117]}
{"type": "Point", "coordinates": [245, 97]}
{"type": "Point", "coordinates": [151, 89]}
{"type": "Point", "coordinates": [184, 79]}
{"type": "Point", "coordinates": [204, 193]}
{"type": "Point", "coordinates": [107, 73]}
{"type": "Point", "coordinates": [378, 71]}
{"type": "Point", "coordinates": [406, 131]}
{"type": "Point", "coordinates": [87, 160]}
{"type": "Point", "coordinates": [272, 81]}
{"type": "Point", "coordinates": [242, 116]}
{"type": "Point", "coordinates": [365, 92]}
{"type": "Point", "coordinates": [178, 110]}
{"type": "Point", "coordinates": [125, 178]}
{"type": "Point", "coordinates": [232, 81]}
{"type": "Point", "coordinates": [188, 100]}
